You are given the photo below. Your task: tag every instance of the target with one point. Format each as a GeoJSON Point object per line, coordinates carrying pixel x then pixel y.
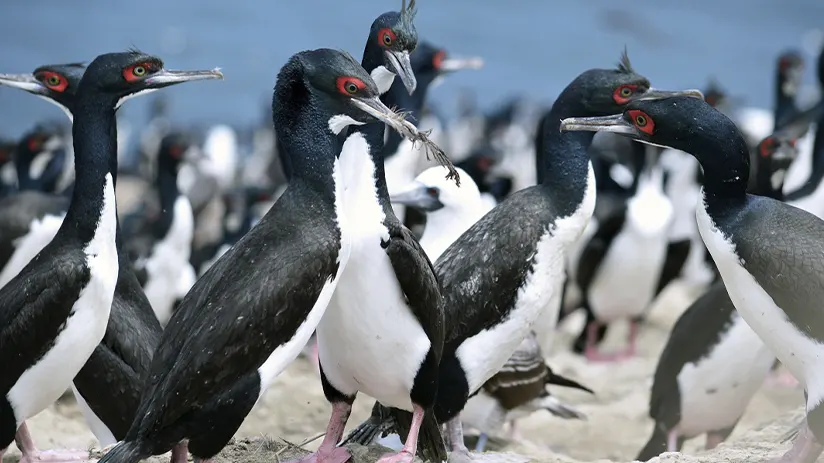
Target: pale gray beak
{"type": "Point", "coordinates": [419, 197]}
{"type": "Point", "coordinates": [164, 77]}
{"type": "Point", "coordinates": [457, 64]}
{"type": "Point", "coordinates": [614, 124]}
{"type": "Point", "coordinates": [25, 82]}
{"type": "Point", "coordinates": [402, 66]}
{"type": "Point", "coordinates": [377, 109]}
{"type": "Point", "coordinates": [657, 94]}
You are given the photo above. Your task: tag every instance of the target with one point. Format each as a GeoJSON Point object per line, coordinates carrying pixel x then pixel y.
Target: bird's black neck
{"type": "Point", "coordinates": [764, 180]}
{"type": "Point", "coordinates": [565, 156]}
{"type": "Point", "coordinates": [301, 124]}
{"type": "Point", "coordinates": [166, 182]}
{"type": "Point", "coordinates": [817, 171]}
{"type": "Point", "coordinates": [94, 133]}
{"type": "Point", "coordinates": [785, 106]}
{"type": "Point", "coordinates": [726, 173]}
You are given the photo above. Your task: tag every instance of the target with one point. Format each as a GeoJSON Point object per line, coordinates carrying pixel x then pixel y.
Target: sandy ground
{"type": "Point", "coordinates": [295, 410]}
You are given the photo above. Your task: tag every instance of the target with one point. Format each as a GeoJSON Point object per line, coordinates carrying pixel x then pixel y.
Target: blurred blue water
{"type": "Point", "coordinates": [531, 47]}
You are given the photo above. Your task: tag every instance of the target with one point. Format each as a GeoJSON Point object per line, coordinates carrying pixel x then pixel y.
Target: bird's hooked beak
{"type": "Point", "coordinates": [165, 77]}
{"type": "Point", "coordinates": [25, 82]}
{"type": "Point", "coordinates": [615, 124]}
{"type": "Point", "coordinates": [457, 64]}
{"type": "Point", "coordinates": [418, 197]}
{"type": "Point", "coordinates": [402, 66]}
{"type": "Point", "coordinates": [657, 94]}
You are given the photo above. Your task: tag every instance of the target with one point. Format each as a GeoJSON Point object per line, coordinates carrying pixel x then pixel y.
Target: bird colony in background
{"type": "Point", "coordinates": [169, 287]}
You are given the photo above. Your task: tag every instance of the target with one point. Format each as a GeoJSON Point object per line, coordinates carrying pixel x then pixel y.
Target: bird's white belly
{"type": "Point", "coordinates": [41, 232]}
{"type": "Point", "coordinates": [716, 390]}
{"type": "Point", "coordinates": [44, 382]}
{"type": "Point", "coordinates": [482, 355]}
{"type": "Point", "coordinates": [803, 356]}
{"type": "Point", "coordinates": [369, 340]}
{"type": "Point", "coordinates": [626, 281]}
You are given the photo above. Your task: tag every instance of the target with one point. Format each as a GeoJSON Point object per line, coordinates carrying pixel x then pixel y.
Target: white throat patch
{"type": "Point", "coordinates": [341, 121]}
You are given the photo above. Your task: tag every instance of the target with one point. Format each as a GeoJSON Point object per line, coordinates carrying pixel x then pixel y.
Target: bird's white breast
{"type": "Point", "coordinates": [43, 383]}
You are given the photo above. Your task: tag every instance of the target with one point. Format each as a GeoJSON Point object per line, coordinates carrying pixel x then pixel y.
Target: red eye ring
{"type": "Point", "coordinates": [622, 94]}
{"type": "Point", "coordinates": [437, 60]}
{"type": "Point", "coordinates": [766, 147]}
{"type": "Point", "coordinates": [53, 80]}
{"type": "Point", "coordinates": [642, 121]}
{"type": "Point", "coordinates": [386, 37]}
{"type": "Point", "coordinates": [349, 86]}
{"type": "Point", "coordinates": [138, 71]}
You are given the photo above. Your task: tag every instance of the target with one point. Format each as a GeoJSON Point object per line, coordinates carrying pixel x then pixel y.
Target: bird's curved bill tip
{"type": "Point", "coordinates": [403, 68]}
{"type": "Point", "coordinates": [25, 82]}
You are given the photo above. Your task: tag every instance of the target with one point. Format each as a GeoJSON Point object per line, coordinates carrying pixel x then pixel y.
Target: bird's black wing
{"type": "Point", "coordinates": [17, 213]}
{"type": "Point", "coordinates": [34, 307]}
{"type": "Point", "coordinates": [251, 301]}
{"type": "Point", "coordinates": [698, 329]}
{"type": "Point", "coordinates": [417, 280]}
{"type": "Point", "coordinates": [522, 378]}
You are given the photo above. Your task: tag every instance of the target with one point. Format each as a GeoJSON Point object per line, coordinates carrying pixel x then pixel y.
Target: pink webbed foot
{"type": "Point", "coordinates": [337, 455]}
{"type": "Point", "coordinates": [63, 455]}
{"type": "Point", "coordinates": [402, 457]}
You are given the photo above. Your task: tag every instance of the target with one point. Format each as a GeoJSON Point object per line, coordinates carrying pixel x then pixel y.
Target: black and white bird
{"type": "Point", "coordinates": [506, 272]}
{"type": "Point", "coordinates": [516, 391]}
{"type": "Point", "coordinates": [768, 252]}
{"type": "Point", "coordinates": [450, 209]}
{"type": "Point", "coordinates": [621, 265]}
{"type": "Point", "coordinates": [56, 310]}
{"type": "Point", "coordinates": [207, 373]}
{"type": "Point", "coordinates": [31, 218]}
{"type": "Point", "coordinates": [713, 362]}
{"type": "Point", "coordinates": [165, 267]}
{"type": "Point", "coordinates": [383, 331]}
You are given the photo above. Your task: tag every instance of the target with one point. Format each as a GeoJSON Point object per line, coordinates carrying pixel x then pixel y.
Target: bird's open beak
{"type": "Point", "coordinates": [657, 94]}
{"type": "Point", "coordinates": [418, 198]}
{"type": "Point", "coordinates": [457, 64]}
{"type": "Point", "coordinates": [614, 124]}
{"type": "Point", "coordinates": [164, 77]}
{"type": "Point", "coordinates": [25, 82]}
{"type": "Point", "coordinates": [402, 66]}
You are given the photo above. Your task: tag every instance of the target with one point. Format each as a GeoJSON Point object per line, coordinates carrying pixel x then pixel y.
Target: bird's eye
{"type": "Point", "coordinates": [53, 80]}
{"type": "Point", "coordinates": [623, 93]}
{"type": "Point", "coordinates": [137, 71]}
{"type": "Point", "coordinates": [437, 60]}
{"type": "Point", "coordinates": [386, 37]}
{"type": "Point", "coordinates": [350, 85]}
{"type": "Point", "coordinates": [642, 121]}
{"type": "Point", "coordinates": [766, 147]}
{"type": "Point", "coordinates": [432, 191]}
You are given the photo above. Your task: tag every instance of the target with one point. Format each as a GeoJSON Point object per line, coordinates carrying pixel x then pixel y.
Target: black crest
{"type": "Point", "coordinates": [624, 65]}
{"type": "Point", "coordinates": [408, 13]}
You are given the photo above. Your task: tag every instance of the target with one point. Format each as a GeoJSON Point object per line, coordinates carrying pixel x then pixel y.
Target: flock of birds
{"type": "Point", "coordinates": [432, 290]}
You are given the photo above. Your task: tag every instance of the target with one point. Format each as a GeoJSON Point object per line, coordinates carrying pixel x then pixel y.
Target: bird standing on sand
{"type": "Point", "coordinates": [768, 252]}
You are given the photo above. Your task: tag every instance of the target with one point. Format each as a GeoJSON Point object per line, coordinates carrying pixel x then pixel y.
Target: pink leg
{"type": "Point", "coordinates": [591, 351]}
{"type": "Point", "coordinates": [805, 449]}
{"type": "Point", "coordinates": [713, 440]}
{"type": "Point", "coordinates": [30, 453]}
{"type": "Point", "coordinates": [411, 446]}
{"type": "Point", "coordinates": [459, 453]}
{"type": "Point", "coordinates": [315, 356]}
{"type": "Point", "coordinates": [782, 377]}
{"type": "Point", "coordinates": [631, 340]}
{"type": "Point", "coordinates": [180, 453]}
{"type": "Point", "coordinates": [328, 452]}
{"type": "Point", "coordinates": [672, 441]}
